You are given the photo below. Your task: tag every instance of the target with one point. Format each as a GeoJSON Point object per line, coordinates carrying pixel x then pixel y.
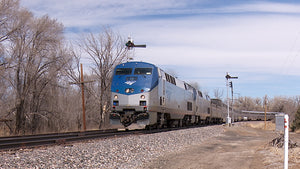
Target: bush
{"type": "Point", "coordinates": [296, 122]}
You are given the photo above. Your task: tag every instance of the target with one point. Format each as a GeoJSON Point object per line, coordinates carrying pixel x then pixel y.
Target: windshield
{"type": "Point", "coordinates": [123, 71]}
{"type": "Point", "coordinates": [143, 71]}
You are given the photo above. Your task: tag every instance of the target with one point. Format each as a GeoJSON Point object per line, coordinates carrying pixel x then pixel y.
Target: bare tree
{"type": "Point", "coordinates": [245, 103]}
{"type": "Point", "coordinates": [10, 21]}
{"type": "Point", "coordinates": [12, 18]}
{"type": "Point", "coordinates": [218, 93]}
{"type": "Point", "coordinates": [287, 105]}
{"type": "Point", "coordinates": [106, 50]}
{"type": "Point", "coordinates": [35, 62]}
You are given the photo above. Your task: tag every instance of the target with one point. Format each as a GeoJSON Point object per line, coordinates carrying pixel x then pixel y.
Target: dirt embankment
{"type": "Point", "coordinates": [242, 146]}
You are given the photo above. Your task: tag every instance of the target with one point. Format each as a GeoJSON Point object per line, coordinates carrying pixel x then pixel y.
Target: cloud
{"type": "Point", "coordinates": [257, 40]}
{"type": "Point", "coordinates": [78, 13]}
{"type": "Point", "coordinates": [261, 43]}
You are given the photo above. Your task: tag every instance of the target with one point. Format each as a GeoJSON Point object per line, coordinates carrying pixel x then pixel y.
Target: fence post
{"type": "Point", "coordinates": [286, 141]}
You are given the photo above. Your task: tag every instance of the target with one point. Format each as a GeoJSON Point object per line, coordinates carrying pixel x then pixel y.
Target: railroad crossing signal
{"type": "Point", "coordinates": [129, 44]}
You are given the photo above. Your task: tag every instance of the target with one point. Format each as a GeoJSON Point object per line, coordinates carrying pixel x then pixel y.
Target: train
{"type": "Point", "coordinates": [145, 96]}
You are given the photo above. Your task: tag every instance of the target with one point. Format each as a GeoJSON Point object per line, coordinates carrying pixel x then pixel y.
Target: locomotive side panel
{"type": "Point", "coordinates": [144, 94]}
{"type": "Point", "coordinates": [204, 109]}
{"type": "Point", "coordinates": [175, 101]}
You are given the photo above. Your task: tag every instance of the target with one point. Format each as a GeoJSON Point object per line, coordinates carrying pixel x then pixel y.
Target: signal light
{"type": "Point", "coordinates": [129, 90]}
{"type": "Point", "coordinates": [230, 84]}
{"type": "Point", "coordinates": [129, 44]}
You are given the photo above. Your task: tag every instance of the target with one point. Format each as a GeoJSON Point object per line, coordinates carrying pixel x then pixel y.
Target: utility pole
{"type": "Point", "coordinates": [228, 120]}
{"type": "Point", "coordinates": [265, 106]}
{"type": "Point", "coordinates": [82, 95]}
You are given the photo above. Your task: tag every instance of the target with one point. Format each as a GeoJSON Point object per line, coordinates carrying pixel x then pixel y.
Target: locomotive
{"type": "Point", "coordinates": [143, 95]}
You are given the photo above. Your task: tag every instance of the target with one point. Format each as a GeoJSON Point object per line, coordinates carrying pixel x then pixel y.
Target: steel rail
{"type": "Point", "coordinates": [17, 142]}
{"type": "Point", "coordinates": [28, 141]}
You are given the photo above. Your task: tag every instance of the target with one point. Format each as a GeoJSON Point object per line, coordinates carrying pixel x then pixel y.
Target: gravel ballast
{"type": "Point", "coordinates": [124, 152]}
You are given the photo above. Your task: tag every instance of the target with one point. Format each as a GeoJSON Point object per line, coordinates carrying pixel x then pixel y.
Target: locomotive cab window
{"type": "Point", "coordinates": [123, 71]}
{"type": "Point", "coordinates": [143, 71]}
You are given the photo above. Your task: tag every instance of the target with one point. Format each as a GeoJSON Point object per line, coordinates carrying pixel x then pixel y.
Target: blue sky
{"type": "Point", "coordinates": [199, 40]}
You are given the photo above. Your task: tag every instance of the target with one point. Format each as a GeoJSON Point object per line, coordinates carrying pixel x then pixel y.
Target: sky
{"type": "Point", "coordinates": [199, 40]}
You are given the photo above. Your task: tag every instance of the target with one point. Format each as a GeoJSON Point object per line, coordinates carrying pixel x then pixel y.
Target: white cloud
{"type": "Point", "coordinates": [247, 38]}
{"type": "Point", "coordinates": [74, 13]}
{"type": "Point", "coordinates": [266, 7]}
{"type": "Point", "coordinates": [77, 13]}
{"type": "Point", "coordinates": [260, 43]}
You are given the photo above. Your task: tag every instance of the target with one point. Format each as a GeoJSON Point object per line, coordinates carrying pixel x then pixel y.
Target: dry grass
{"type": "Point", "coordinates": [274, 156]}
{"type": "Point", "coordinates": [261, 125]}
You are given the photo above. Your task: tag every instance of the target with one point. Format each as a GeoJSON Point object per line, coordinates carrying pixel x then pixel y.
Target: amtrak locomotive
{"type": "Point", "coordinates": [145, 96]}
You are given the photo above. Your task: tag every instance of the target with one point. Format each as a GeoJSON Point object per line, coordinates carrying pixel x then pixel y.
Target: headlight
{"type": "Point", "coordinates": [129, 90]}
{"type": "Point", "coordinates": [143, 97]}
{"type": "Point", "coordinates": [116, 97]}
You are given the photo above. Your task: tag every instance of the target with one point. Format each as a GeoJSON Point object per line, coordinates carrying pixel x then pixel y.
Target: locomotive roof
{"type": "Point", "coordinates": [135, 64]}
{"type": "Point", "coordinates": [130, 64]}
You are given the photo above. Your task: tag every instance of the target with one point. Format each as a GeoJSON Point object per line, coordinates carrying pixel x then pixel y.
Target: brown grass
{"type": "Point", "coordinates": [261, 125]}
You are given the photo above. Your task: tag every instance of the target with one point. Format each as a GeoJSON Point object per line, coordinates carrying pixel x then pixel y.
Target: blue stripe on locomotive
{"type": "Point", "coordinates": [140, 83]}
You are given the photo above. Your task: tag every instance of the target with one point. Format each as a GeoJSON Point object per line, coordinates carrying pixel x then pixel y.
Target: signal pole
{"type": "Point", "coordinates": [228, 120]}
{"type": "Point", "coordinates": [231, 86]}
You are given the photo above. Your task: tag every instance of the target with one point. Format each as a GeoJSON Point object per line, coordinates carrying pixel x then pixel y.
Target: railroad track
{"type": "Point", "coordinates": [17, 142]}
{"type": "Point", "coordinates": [27, 141]}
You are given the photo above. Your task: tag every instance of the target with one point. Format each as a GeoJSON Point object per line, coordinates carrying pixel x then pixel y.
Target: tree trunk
{"type": "Point", "coordinates": [20, 118]}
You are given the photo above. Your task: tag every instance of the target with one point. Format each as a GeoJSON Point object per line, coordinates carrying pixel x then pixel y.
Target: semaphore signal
{"type": "Point", "coordinates": [129, 44]}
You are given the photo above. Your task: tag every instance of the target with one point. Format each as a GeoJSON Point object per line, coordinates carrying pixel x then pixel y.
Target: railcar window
{"type": "Point", "coordinates": [170, 79]}
{"type": "Point", "coordinates": [200, 94]}
{"type": "Point", "coordinates": [189, 106]}
{"type": "Point", "coordinates": [167, 77]}
{"type": "Point", "coordinates": [173, 80]}
{"type": "Point", "coordinates": [123, 71]}
{"type": "Point", "coordinates": [207, 97]}
{"type": "Point", "coordinates": [143, 71]}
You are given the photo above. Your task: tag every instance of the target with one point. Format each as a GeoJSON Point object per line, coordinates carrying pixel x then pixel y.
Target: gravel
{"type": "Point", "coordinates": [123, 152]}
